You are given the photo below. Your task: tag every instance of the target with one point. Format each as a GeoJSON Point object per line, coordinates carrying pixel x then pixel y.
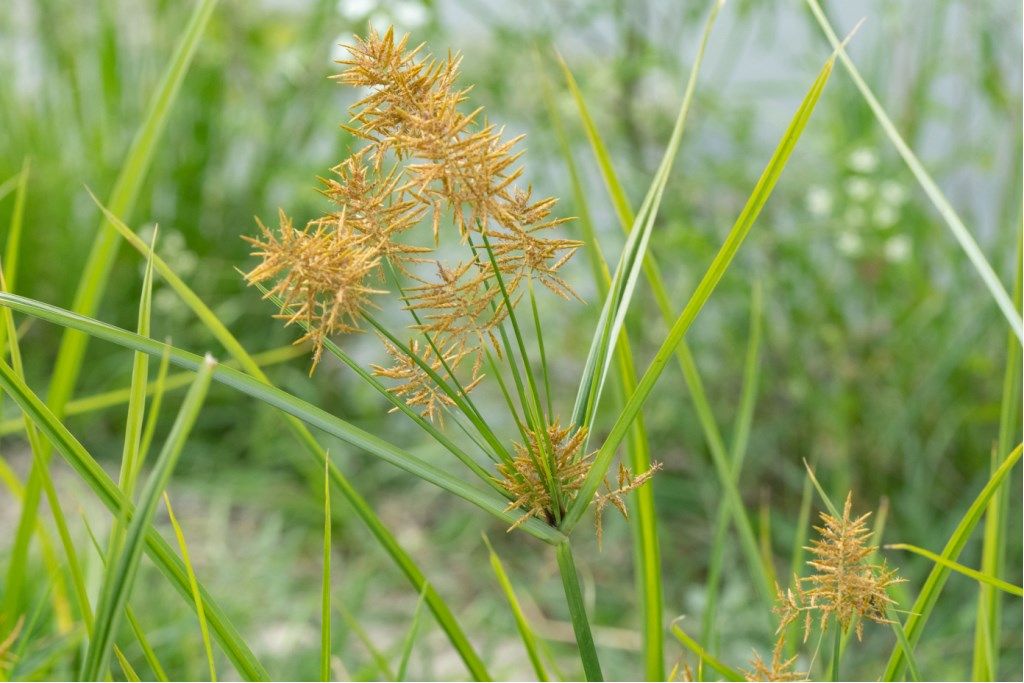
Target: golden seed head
{"type": "Point", "coordinates": [319, 273]}
{"type": "Point", "coordinates": [845, 584]}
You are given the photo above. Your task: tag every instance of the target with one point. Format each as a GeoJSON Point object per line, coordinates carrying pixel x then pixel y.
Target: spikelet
{"type": "Point", "coordinates": [527, 476]}
{"type": "Point", "coordinates": [368, 208]}
{"type": "Point", "coordinates": [453, 163]}
{"type": "Point", "coordinates": [530, 476]}
{"type": "Point", "coordinates": [844, 584]}
{"type": "Point", "coordinates": [780, 669]}
{"type": "Point", "coordinates": [321, 276]}
{"type": "Point", "coordinates": [416, 386]}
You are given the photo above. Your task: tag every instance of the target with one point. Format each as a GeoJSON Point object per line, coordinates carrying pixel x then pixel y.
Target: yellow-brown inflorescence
{"type": "Point", "coordinates": [780, 668]}
{"type": "Point", "coordinates": [422, 158]}
{"type": "Point", "coordinates": [423, 161]}
{"type": "Point", "coordinates": [845, 584]}
{"type": "Point", "coordinates": [554, 462]}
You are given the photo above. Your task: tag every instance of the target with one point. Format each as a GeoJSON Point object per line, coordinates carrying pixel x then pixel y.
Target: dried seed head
{"type": "Point", "coordinates": [845, 584]}
{"type": "Point", "coordinates": [550, 469]}
{"type": "Point", "coordinates": [779, 670]}
{"type": "Point", "coordinates": [453, 163]}
{"type": "Point", "coordinates": [320, 274]}
{"type": "Point", "coordinates": [416, 386]}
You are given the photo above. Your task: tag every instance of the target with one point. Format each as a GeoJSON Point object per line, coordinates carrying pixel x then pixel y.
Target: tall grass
{"type": "Point", "coordinates": [506, 448]}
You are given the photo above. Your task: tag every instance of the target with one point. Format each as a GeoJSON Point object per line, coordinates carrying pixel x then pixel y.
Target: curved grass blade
{"type": "Point", "coordinates": [387, 540]}
{"type": "Point", "coordinates": [126, 667]}
{"type": "Point", "coordinates": [140, 635]}
{"type": "Point", "coordinates": [116, 397]}
{"type": "Point", "coordinates": [93, 280]}
{"type": "Point", "coordinates": [122, 570]}
{"type": "Point", "coordinates": [525, 632]}
{"type": "Point", "coordinates": [410, 639]}
{"type": "Point", "coordinates": [193, 583]}
{"type": "Point", "coordinates": [949, 215]}
{"type": "Point", "coordinates": [705, 656]}
{"type": "Point", "coordinates": [106, 490]}
{"type": "Point", "coordinates": [378, 657]}
{"type": "Point", "coordinates": [703, 292]}
{"type": "Point", "coordinates": [993, 554]}
{"type": "Point", "coordinates": [292, 405]}
{"type": "Point", "coordinates": [957, 567]}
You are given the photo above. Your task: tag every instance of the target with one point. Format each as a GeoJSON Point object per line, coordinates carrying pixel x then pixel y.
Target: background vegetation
{"type": "Point", "coordinates": [883, 354]}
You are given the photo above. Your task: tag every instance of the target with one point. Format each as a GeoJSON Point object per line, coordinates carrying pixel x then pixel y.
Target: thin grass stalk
{"type": "Point", "coordinates": [378, 657]}
{"type": "Point", "coordinates": [41, 470]}
{"type": "Point", "coordinates": [381, 533]}
{"type": "Point", "coordinates": [410, 639]}
{"type": "Point", "coordinates": [703, 292]}
{"type": "Point", "coordinates": [578, 613]}
{"type": "Point", "coordinates": [526, 633]}
{"type": "Point", "coordinates": [325, 584]}
{"type": "Point", "coordinates": [985, 663]}
{"type": "Point", "coordinates": [92, 283]}
{"type": "Point", "coordinates": [122, 569]}
{"type": "Point", "coordinates": [981, 577]}
{"type": "Point", "coordinates": [197, 597]}
{"type": "Point", "coordinates": [926, 599]}
{"type": "Point", "coordinates": [705, 657]}
{"type": "Point", "coordinates": [148, 653]}
{"type": "Point", "coordinates": [111, 496]}
{"type": "Point", "coordinates": [949, 215]}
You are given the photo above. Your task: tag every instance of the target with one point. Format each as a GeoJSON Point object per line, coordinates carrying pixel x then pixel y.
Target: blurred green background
{"type": "Point", "coordinates": [883, 356]}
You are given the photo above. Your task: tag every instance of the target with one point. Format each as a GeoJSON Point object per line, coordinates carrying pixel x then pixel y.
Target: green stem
{"type": "Point", "coordinates": [578, 613]}
{"type": "Point", "coordinates": [837, 650]}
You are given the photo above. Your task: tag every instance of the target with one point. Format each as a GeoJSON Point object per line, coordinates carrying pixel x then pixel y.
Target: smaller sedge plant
{"type": "Point", "coordinates": [845, 589]}
{"type": "Point", "coordinates": [423, 161]}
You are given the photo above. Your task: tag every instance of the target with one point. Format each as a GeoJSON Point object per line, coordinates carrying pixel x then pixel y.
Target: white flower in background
{"type": "Point", "coordinates": [850, 243]}
{"type": "Point", "coordinates": [897, 249]}
{"type": "Point", "coordinates": [409, 14]}
{"type": "Point", "coordinates": [885, 216]}
{"type": "Point", "coordinates": [863, 160]}
{"type": "Point", "coordinates": [893, 192]}
{"type": "Point", "coordinates": [819, 200]}
{"type": "Point", "coordinates": [356, 10]}
{"type": "Point", "coordinates": [859, 189]}
{"type": "Point", "coordinates": [856, 217]}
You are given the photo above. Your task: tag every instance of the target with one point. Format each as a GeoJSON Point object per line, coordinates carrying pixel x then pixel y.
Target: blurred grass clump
{"type": "Point", "coordinates": [882, 356]}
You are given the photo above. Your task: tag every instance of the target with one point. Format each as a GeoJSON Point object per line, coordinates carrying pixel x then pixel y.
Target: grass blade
{"type": "Point", "coordinates": [325, 592]}
{"type": "Point", "coordinates": [121, 570]}
{"type": "Point", "coordinates": [194, 586]}
{"type": "Point", "coordinates": [93, 280]}
{"type": "Point", "coordinates": [525, 632]}
{"type": "Point", "coordinates": [705, 656]}
{"type": "Point", "coordinates": [378, 657]}
{"type": "Point", "coordinates": [949, 215]}
{"type": "Point", "coordinates": [993, 555]}
{"type": "Point", "coordinates": [578, 612]}
{"type": "Point", "coordinates": [957, 567]}
{"type": "Point", "coordinates": [410, 639]}
{"type": "Point", "coordinates": [933, 585]}
{"type": "Point", "coordinates": [703, 292]}
{"type": "Point", "coordinates": [294, 406]}
{"type": "Point", "coordinates": [106, 490]}
{"type": "Point", "coordinates": [381, 533]}
{"type": "Point", "coordinates": [126, 667]}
